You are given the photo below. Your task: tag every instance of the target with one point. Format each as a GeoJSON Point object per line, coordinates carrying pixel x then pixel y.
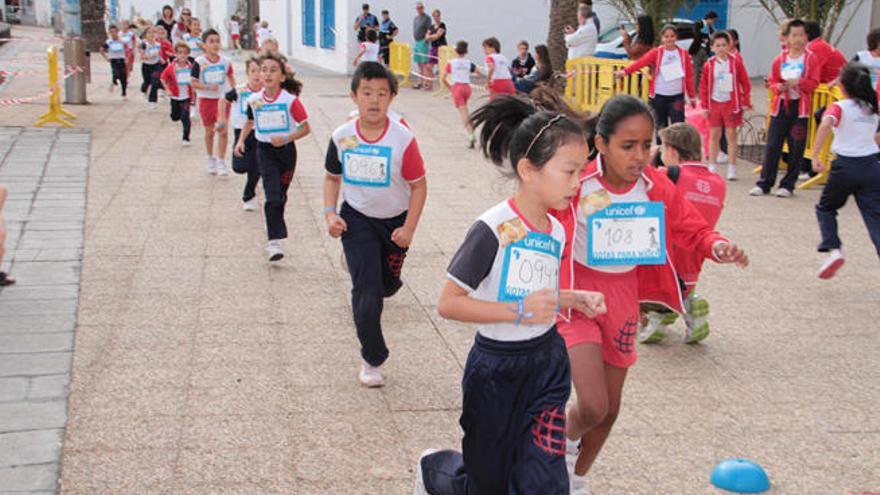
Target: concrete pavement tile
{"type": "Point", "coordinates": [239, 333]}
{"type": "Point", "coordinates": [45, 363]}
{"type": "Point", "coordinates": [30, 447]}
{"type": "Point", "coordinates": [27, 307]}
{"type": "Point", "coordinates": [412, 393]}
{"type": "Point", "coordinates": [232, 433]}
{"type": "Point", "coordinates": [126, 377]}
{"type": "Point", "coordinates": [250, 375]}
{"type": "Point", "coordinates": [69, 291]}
{"type": "Point", "coordinates": [423, 430]}
{"type": "Point", "coordinates": [19, 416]}
{"type": "Point", "coordinates": [36, 342]}
{"type": "Point", "coordinates": [47, 272]}
{"type": "Point", "coordinates": [239, 466]}
{"type": "Point", "coordinates": [107, 433]}
{"type": "Point", "coordinates": [235, 354]}
{"type": "Point", "coordinates": [163, 401]}
{"type": "Point", "coordinates": [243, 399]}
{"type": "Point", "coordinates": [30, 479]}
{"type": "Point", "coordinates": [49, 387]}
{"type": "Point", "coordinates": [347, 396]}
{"type": "Point", "coordinates": [13, 389]}
{"type": "Point", "coordinates": [264, 487]}
{"type": "Point", "coordinates": [320, 364]}
{"type": "Point", "coordinates": [112, 471]}
{"type": "Point", "coordinates": [256, 316]}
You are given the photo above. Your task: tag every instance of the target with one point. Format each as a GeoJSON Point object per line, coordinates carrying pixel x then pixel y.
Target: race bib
{"type": "Point", "coordinates": [273, 117]}
{"type": "Point", "coordinates": [724, 82]}
{"type": "Point", "coordinates": [183, 76]}
{"type": "Point", "coordinates": [627, 234]}
{"type": "Point", "coordinates": [367, 165]}
{"type": "Point", "coordinates": [530, 264]}
{"type": "Point", "coordinates": [672, 71]}
{"type": "Point", "coordinates": [214, 74]}
{"type": "Point", "coordinates": [116, 47]}
{"type": "Point", "coordinates": [243, 102]}
{"type": "Point", "coordinates": [792, 71]}
{"type": "Point", "coordinates": [152, 51]}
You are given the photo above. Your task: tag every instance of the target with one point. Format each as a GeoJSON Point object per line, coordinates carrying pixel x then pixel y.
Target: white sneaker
{"type": "Point", "coordinates": [220, 166]}
{"type": "Point", "coordinates": [420, 480]}
{"type": "Point", "coordinates": [249, 205]}
{"type": "Point", "coordinates": [185, 142]}
{"type": "Point", "coordinates": [731, 172]}
{"type": "Point", "coordinates": [273, 248]}
{"type": "Point", "coordinates": [472, 141]}
{"type": "Point", "coordinates": [696, 318]}
{"type": "Point", "coordinates": [832, 263]}
{"type": "Point", "coordinates": [154, 106]}
{"type": "Point", "coordinates": [783, 193]}
{"type": "Point", "coordinates": [722, 157]}
{"type": "Point", "coordinates": [803, 176]}
{"type": "Point", "coordinates": [193, 115]}
{"type": "Point", "coordinates": [371, 376]}
{"type": "Point", "coordinates": [757, 191]}
{"type": "Point", "coordinates": [713, 168]}
{"type": "Point", "coordinates": [656, 329]}
{"type": "Point", "coordinates": [572, 451]}
{"type": "Point", "coordinates": [578, 485]}
{"type": "Point", "coordinates": [212, 167]}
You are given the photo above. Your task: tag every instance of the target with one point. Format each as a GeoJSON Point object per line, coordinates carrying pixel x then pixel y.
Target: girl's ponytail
{"type": "Point", "coordinates": [499, 120]}
{"type": "Point", "coordinates": [856, 80]}
{"type": "Point", "coordinates": [290, 83]}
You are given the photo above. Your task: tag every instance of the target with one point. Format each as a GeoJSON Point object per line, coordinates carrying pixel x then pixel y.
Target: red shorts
{"type": "Point", "coordinates": [721, 115]}
{"type": "Point", "coordinates": [501, 87]}
{"type": "Point", "coordinates": [616, 330]}
{"type": "Point", "coordinates": [236, 36]}
{"type": "Point", "coordinates": [208, 110]}
{"type": "Point", "coordinates": [461, 93]}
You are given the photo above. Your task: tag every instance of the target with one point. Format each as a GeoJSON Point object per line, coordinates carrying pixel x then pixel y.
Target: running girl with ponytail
{"type": "Point", "coordinates": [620, 227]}
{"type": "Point", "coordinates": [505, 279]}
{"type": "Point", "coordinates": [238, 99]}
{"type": "Point", "coordinates": [856, 169]}
{"type": "Point", "coordinates": [278, 118]}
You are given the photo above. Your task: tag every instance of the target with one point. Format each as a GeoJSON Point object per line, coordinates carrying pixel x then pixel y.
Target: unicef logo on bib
{"type": "Point", "coordinates": [214, 74]}
{"type": "Point", "coordinates": [367, 165]}
{"type": "Point", "coordinates": [530, 264]}
{"type": "Point", "coordinates": [627, 234]}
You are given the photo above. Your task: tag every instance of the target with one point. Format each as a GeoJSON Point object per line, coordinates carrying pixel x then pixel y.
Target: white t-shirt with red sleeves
{"type": "Point", "coordinates": [854, 129]}
{"type": "Point", "coordinates": [376, 175]}
{"type": "Point", "coordinates": [238, 114]}
{"type": "Point", "coordinates": [460, 70]}
{"type": "Point", "coordinates": [210, 72]}
{"type": "Point", "coordinates": [275, 117]}
{"type": "Point", "coordinates": [371, 52]}
{"type": "Point", "coordinates": [502, 66]}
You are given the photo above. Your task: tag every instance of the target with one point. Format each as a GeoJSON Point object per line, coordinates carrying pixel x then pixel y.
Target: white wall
{"type": "Point", "coordinates": [285, 21]}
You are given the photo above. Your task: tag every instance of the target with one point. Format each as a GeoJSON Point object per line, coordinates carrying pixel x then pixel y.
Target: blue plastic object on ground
{"type": "Point", "coordinates": [740, 476]}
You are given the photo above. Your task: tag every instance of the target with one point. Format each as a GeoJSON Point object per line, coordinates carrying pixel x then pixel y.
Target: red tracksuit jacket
{"type": "Point", "coordinates": [684, 227]}
{"type": "Point", "coordinates": [654, 58]}
{"type": "Point", "coordinates": [742, 87]}
{"type": "Point", "coordinates": [169, 75]}
{"type": "Point", "coordinates": [808, 83]}
{"type": "Point", "coordinates": [829, 59]}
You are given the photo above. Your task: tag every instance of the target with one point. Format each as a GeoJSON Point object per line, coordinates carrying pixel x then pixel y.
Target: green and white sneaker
{"type": "Point", "coordinates": [657, 327]}
{"type": "Point", "coordinates": [696, 318]}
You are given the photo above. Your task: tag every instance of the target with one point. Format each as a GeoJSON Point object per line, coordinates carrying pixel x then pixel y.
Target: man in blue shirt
{"type": "Point", "coordinates": [387, 31]}
{"type": "Point", "coordinates": [365, 21]}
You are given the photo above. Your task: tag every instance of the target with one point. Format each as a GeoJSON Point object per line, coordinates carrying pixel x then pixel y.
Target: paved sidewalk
{"type": "Point", "coordinates": [199, 368]}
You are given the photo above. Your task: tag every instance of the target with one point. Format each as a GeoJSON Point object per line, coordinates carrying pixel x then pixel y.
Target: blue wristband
{"type": "Point", "coordinates": [329, 209]}
{"type": "Point", "coordinates": [519, 312]}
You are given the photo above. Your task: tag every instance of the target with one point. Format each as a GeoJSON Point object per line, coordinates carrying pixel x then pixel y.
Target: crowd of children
{"type": "Point", "coordinates": [613, 244]}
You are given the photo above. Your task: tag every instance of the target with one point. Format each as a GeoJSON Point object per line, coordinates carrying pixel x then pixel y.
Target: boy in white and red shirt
{"type": "Point", "coordinates": [725, 92]}
{"type": "Point", "coordinates": [212, 77]}
{"type": "Point", "coordinates": [377, 164]}
{"type": "Point", "coordinates": [680, 152]}
{"type": "Point", "coordinates": [497, 70]}
{"type": "Point", "coordinates": [458, 80]}
{"type": "Point", "coordinates": [369, 51]}
{"type": "Point", "coordinates": [176, 80]}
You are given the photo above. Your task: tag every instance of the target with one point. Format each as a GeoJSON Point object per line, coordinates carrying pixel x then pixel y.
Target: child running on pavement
{"type": "Point", "coordinates": [856, 168]}
{"type": "Point", "coordinates": [498, 76]}
{"type": "Point", "coordinates": [680, 152]}
{"type": "Point", "coordinates": [278, 118]}
{"type": "Point", "coordinates": [114, 51]}
{"type": "Point", "coordinates": [377, 164]}
{"type": "Point", "coordinates": [505, 279]}
{"type": "Point", "coordinates": [194, 38]}
{"type": "Point", "coordinates": [369, 50]}
{"type": "Point", "coordinates": [619, 227]}
{"type": "Point", "coordinates": [177, 79]}
{"type": "Point", "coordinates": [457, 77]}
{"type": "Point", "coordinates": [212, 78]}
{"type": "Point", "coordinates": [247, 162]}
{"type": "Point", "coordinates": [725, 93]}
{"type": "Point", "coordinates": [151, 65]}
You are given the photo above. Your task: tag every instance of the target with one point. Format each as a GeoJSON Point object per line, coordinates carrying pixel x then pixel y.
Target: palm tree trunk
{"type": "Point", "coordinates": [93, 30]}
{"type": "Point", "coordinates": [562, 13]}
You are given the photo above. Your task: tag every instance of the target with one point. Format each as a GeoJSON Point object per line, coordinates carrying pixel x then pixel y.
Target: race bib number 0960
{"type": "Point", "coordinates": [215, 74]}
{"type": "Point", "coordinates": [627, 234]}
{"type": "Point", "coordinates": [367, 165]}
{"type": "Point", "coordinates": [530, 264]}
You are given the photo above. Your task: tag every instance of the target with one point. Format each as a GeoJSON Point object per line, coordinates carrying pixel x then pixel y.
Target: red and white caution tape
{"type": "Point", "coordinates": [37, 38]}
{"type": "Point", "coordinates": [38, 72]}
{"type": "Point", "coordinates": [27, 99]}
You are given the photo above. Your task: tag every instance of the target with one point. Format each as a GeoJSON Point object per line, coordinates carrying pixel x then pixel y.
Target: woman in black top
{"type": "Point", "coordinates": [167, 21]}
{"type": "Point", "coordinates": [542, 72]}
{"type": "Point", "coordinates": [436, 36]}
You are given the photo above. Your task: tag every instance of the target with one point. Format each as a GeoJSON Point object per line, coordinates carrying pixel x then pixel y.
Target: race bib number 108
{"type": "Point", "coordinates": [627, 234]}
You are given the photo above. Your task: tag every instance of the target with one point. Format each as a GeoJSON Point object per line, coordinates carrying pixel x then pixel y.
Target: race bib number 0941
{"type": "Point", "coordinates": [530, 264]}
{"type": "Point", "coordinates": [627, 234]}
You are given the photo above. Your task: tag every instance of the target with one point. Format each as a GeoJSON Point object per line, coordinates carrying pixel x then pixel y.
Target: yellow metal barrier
{"type": "Point", "coordinates": [55, 112]}
{"type": "Point", "coordinates": [444, 55]}
{"type": "Point", "coordinates": [401, 61]}
{"type": "Point", "coordinates": [591, 82]}
{"type": "Point", "coordinates": [821, 98]}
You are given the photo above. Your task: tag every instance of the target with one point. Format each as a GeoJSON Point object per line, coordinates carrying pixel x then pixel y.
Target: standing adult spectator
{"type": "Point", "coordinates": [181, 28]}
{"type": "Point", "coordinates": [700, 48]}
{"type": "Point", "coordinates": [829, 59]}
{"type": "Point", "coordinates": [365, 21]}
{"type": "Point", "coordinates": [387, 31]}
{"type": "Point", "coordinates": [643, 41]}
{"type": "Point", "coordinates": [593, 16]}
{"type": "Point", "coordinates": [167, 21]}
{"type": "Point", "coordinates": [421, 50]}
{"type": "Point", "coordinates": [436, 36]}
{"type": "Point", "coordinates": [581, 42]}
